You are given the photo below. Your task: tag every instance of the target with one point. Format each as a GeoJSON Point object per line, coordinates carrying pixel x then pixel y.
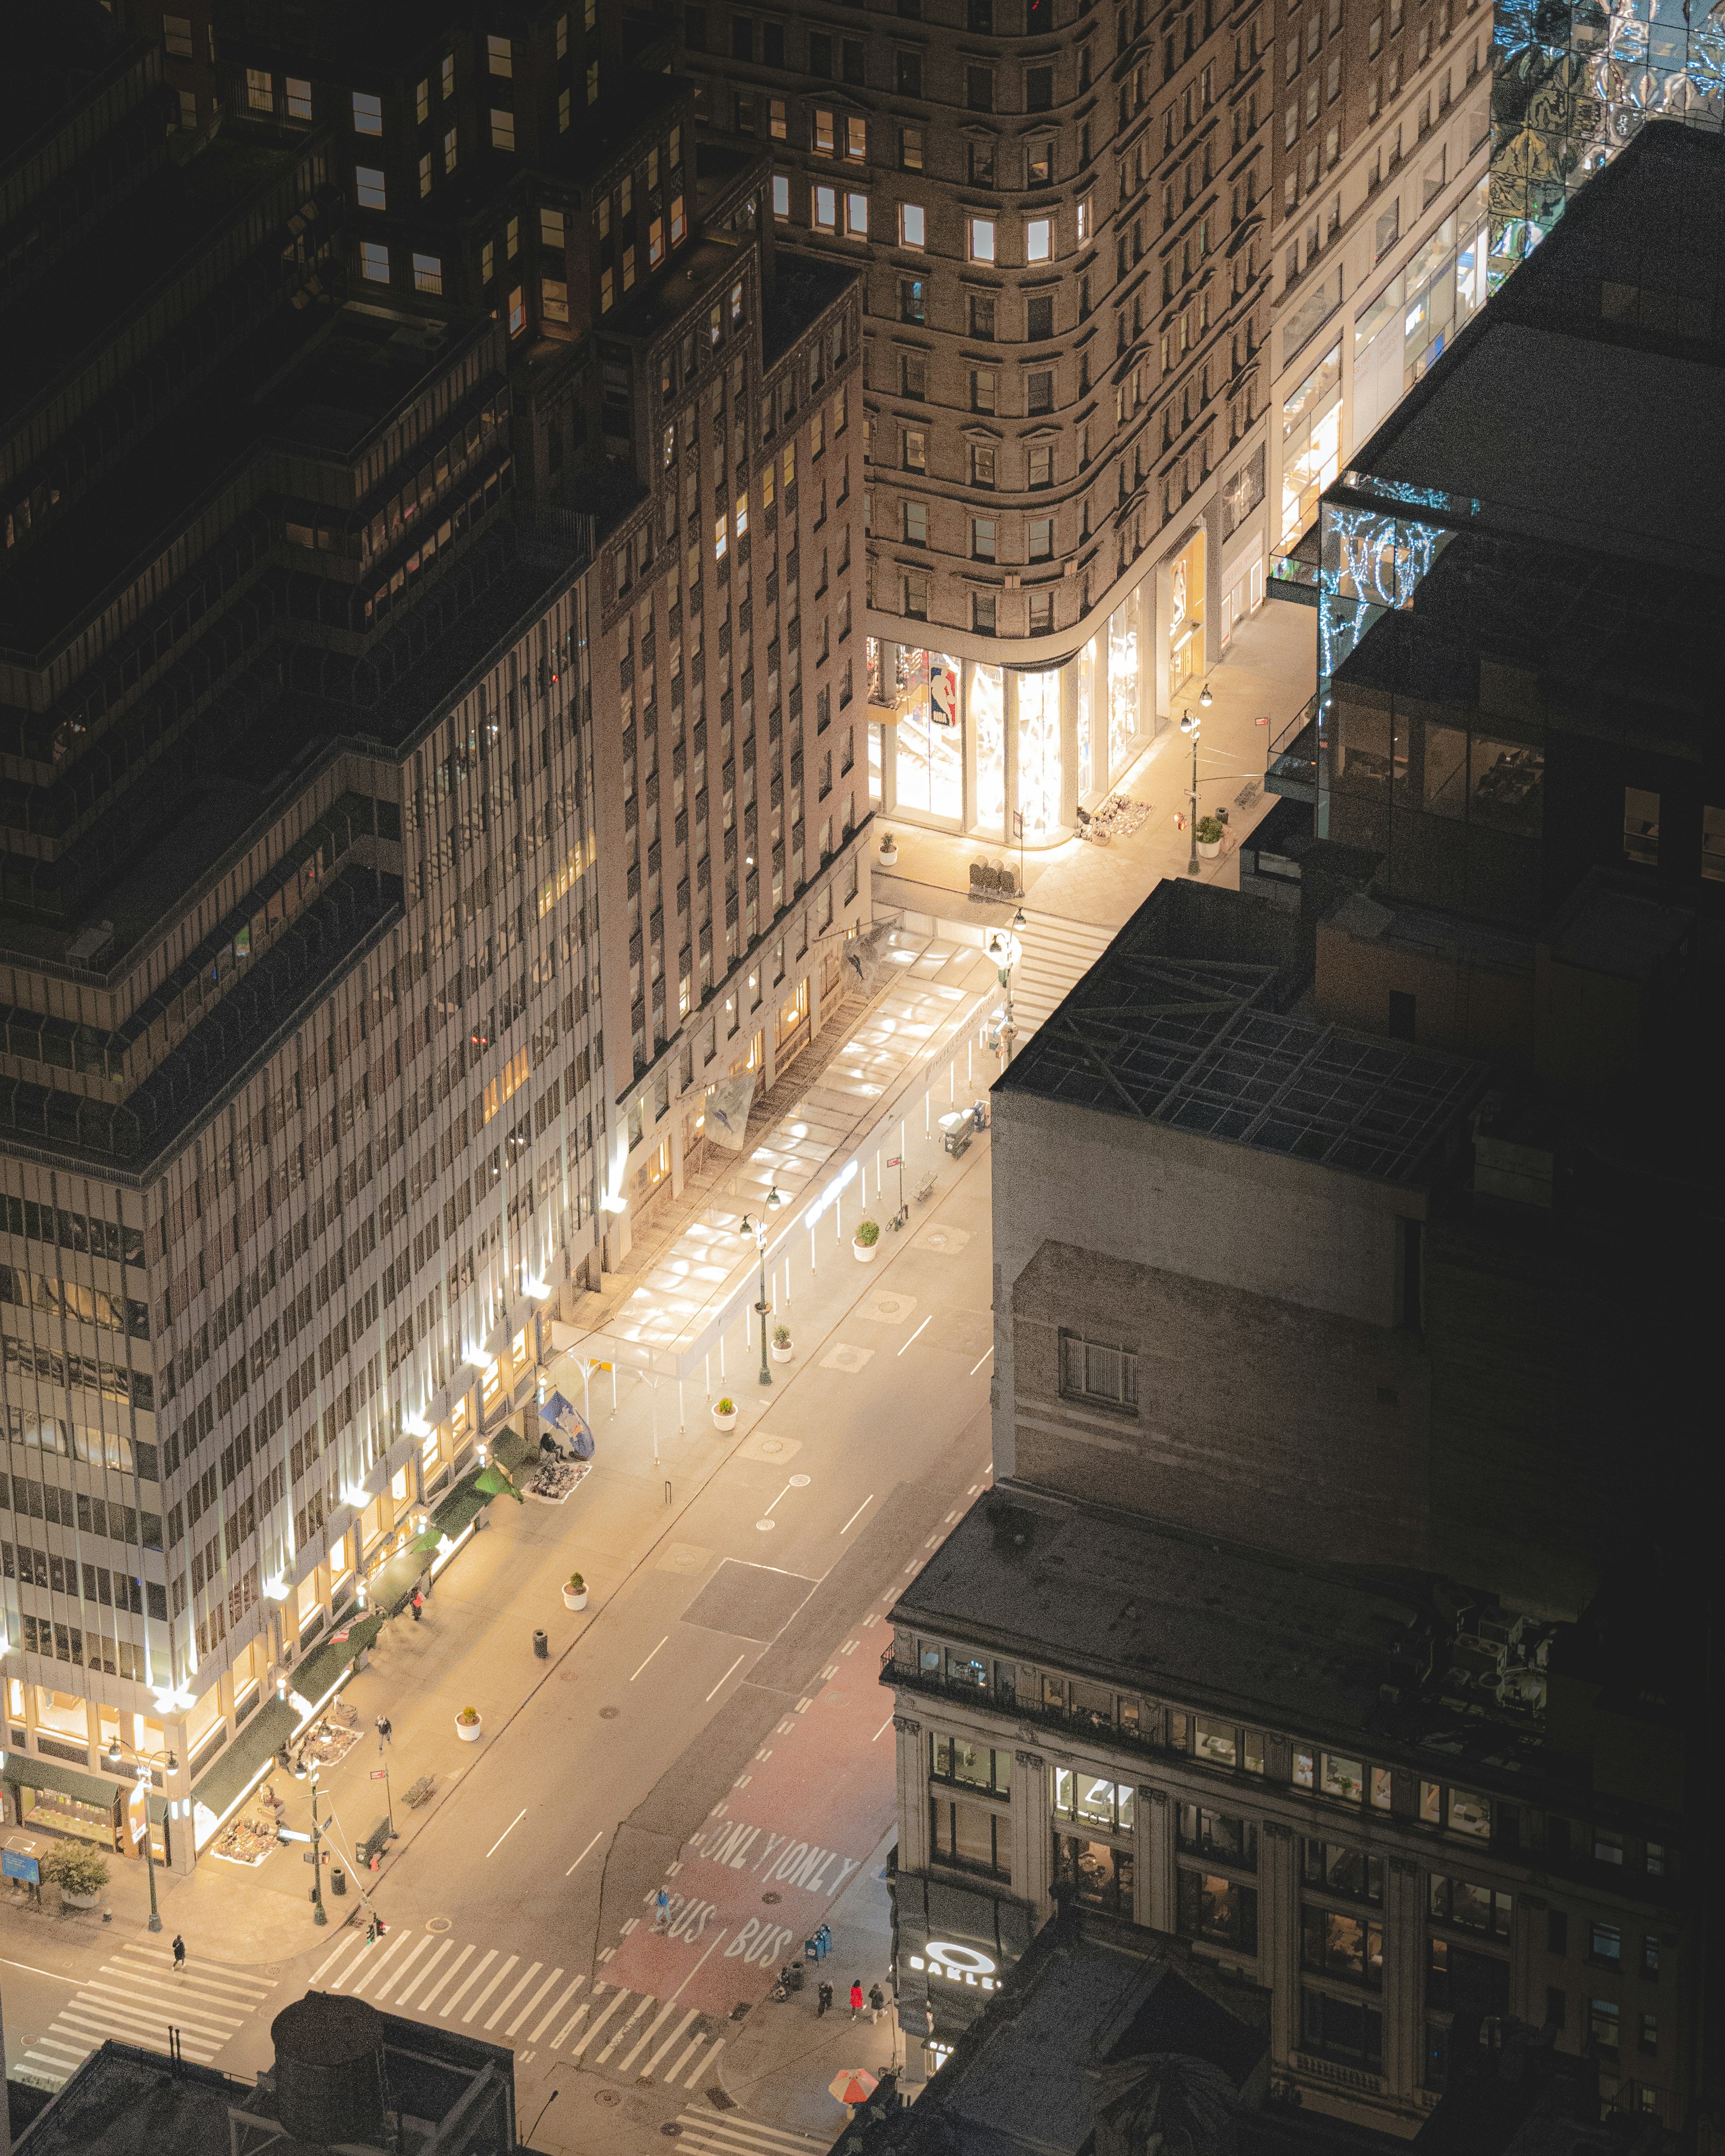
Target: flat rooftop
{"type": "Point", "coordinates": [1198, 1042]}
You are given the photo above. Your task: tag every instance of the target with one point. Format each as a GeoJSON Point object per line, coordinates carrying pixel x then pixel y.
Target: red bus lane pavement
{"type": "Point", "coordinates": [768, 1861]}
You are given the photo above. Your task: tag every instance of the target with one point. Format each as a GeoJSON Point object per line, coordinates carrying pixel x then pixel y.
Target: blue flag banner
{"type": "Point", "coordinates": [567, 1422]}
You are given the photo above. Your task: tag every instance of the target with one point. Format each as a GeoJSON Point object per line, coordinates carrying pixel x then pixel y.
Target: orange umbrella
{"type": "Point", "coordinates": [854, 2085]}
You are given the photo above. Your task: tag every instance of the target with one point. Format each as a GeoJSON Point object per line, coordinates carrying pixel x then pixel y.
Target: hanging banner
{"type": "Point", "coordinates": [727, 1111]}
{"type": "Point", "coordinates": [567, 1421]}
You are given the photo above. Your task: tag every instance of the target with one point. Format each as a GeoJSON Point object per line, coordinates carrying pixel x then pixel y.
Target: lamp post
{"type": "Point", "coordinates": [114, 1756]}
{"type": "Point", "coordinates": [320, 1915]}
{"type": "Point", "coordinates": [1190, 725]}
{"type": "Point", "coordinates": [1004, 948]}
{"type": "Point", "coordinates": [756, 1227]}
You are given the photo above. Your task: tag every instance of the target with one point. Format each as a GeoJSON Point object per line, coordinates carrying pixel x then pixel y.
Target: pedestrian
{"type": "Point", "coordinates": [856, 1997]}
{"type": "Point", "coordinates": [877, 2002]}
{"type": "Point", "coordinates": [384, 1730]}
{"type": "Point", "coordinates": [179, 1955]}
{"type": "Point", "coordinates": [418, 1605]}
{"type": "Point", "coordinates": [661, 1909]}
{"type": "Point", "coordinates": [825, 1997]}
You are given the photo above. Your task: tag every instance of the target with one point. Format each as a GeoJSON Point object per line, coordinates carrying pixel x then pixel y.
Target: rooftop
{"type": "Point", "coordinates": [1157, 1032]}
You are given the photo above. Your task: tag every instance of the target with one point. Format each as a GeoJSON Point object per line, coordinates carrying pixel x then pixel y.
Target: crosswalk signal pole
{"type": "Point", "coordinates": [320, 1915]}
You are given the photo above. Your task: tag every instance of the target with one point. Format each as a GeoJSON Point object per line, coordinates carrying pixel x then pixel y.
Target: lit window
{"type": "Point", "coordinates": [655, 243]}
{"type": "Point", "coordinates": [742, 515]}
{"type": "Point", "coordinates": [823, 131]}
{"type": "Point", "coordinates": [608, 290]}
{"type": "Point", "coordinates": [188, 109]}
{"type": "Point", "coordinates": [721, 538]}
{"type": "Point", "coordinates": [777, 126]}
{"type": "Point", "coordinates": [176, 36]}
{"type": "Point", "coordinates": [298, 99]}
{"type": "Point", "coordinates": [368, 113]}
{"type": "Point", "coordinates": [1039, 239]}
{"type": "Point", "coordinates": [781, 197]}
{"type": "Point", "coordinates": [679, 224]}
{"type": "Point", "coordinates": [368, 188]}
{"type": "Point", "coordinates": [1083, 216]}
{"type": "Point", "coordinates": [449, 148]}
{"type": "Point", "coordinates": [427, 273]}
{"type": "Point", "coordinates": [499, 57]}
{"type": "Point", "coordinates": [563, 36]}
{"type": "Point", "coordinates": [449, 75]}
{"type": "Point", "coordinates": [374, 261]}
{"type": "Point", "coordinates": [553, 299]}
{"type": "Point", "coordinates": [488, 261]}
{"type": "Point", "coordinates": [856, 216]}
{"type": "Point", "coordinates": [982, 239]}
{"type": "Point", "coordinates": [502, 129]}
{"type": "Point", "coordinates": [856, 140]}
{"type": "Point", "coordinates": [517, 312]}
{"type": "Point", "coordinates": [259, 93]}
{"type": "Point", "coordinates": [912, 225]}
{"type": "Point", "coordinates": [824, 211]}
{"type": "Point", "coordinates": [551, 229]}
{"type": "Point", "coordinates": [425, 175]}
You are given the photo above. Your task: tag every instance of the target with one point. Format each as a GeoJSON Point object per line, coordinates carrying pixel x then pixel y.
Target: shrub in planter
{"type": "Point", "coordinates": [467, 1725]}
{"type": "Point", "coordinates": [725, 1407]}
{"type": "Point", "coordinates": [1209, 831]}
{"type": "Point", "coordinates": [868, 1232]}
{"type": "Point", "coordinates": [781, 1336]}
{"type": "Point", "coordinates": [79, 1873]}
{"type": "Point", "coordinates": [724, 1414]}
{"type": "Point", "coordinates": [575, 1592]}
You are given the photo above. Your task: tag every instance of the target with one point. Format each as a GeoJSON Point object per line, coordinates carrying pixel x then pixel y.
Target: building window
{"type": "Point", "coordinates": [912, 225]}
{"type": "Point", "coordinates": [499, 57]}
{"type": "Point", "coordinates": [368, 188]}
{"type": "Point", "coordinates": [982, 537]}
{"type": "Point", "coordinates": [1041, 539]}
{"type": "Point", "coordinates": [299, 98]}
{"type": "Point", "coordinates": [1091, 1801]}
{"type": "Point", "coordinates": [823, 131]}
{"type": "Point", "coordinates": [427, 273]}
{"type": "Point", "coordinates": [449, 150]}
{"type": "Point", "coordinates": [374, 261]}
{"type": "Point", "coordinates": [907, 74]}
{"type": "Point", "coordinates": [982, 463]}
{"type": "Point", "coordinates": [1039, 89]}
{"type": "Point", "coordinates": [856, 140]}
{"type": "Point", "coordinates": [368, 113]}
{"type": "Point", "coordinates": [502, 129]}
{"type": "Point", "coordinates": [915, 595]}
{"type": "Point", "coordinates": [915, 449]}
{"type": "Point", "coordinates": [856, 216]}
{"type": "Point", "coordinates": [1332, 1868]}
{"type": "Point", "coordinates": [1458, 1981]}
{"type": "Point", "coordinates": [1604, 2017]}
{"type": "Point", "coordinates": [982, 239]}
{"type": "Point", "coordinates": [1218, 1835]}
{"type": "Point", "coordinates": [1093, 1370]}
{"type": "Point", "coordinates": [916, 524]}
{"type": "Point", "coordinates": [912, 299]}
{"type": "Point", "coordinates": [1039, 239]}
{"type": "Point", "coordinates": [1472, 1908]}
{"type": "Point", "coordinates": [982, 390]}
{"type": "Point", "coordinates": [909, 149]}
{"type": "Point", "coordinates": [782, 197]}
{"type": "Point", "coordinates": [1341, 2031]}
{"type": "Point", "coordinates": [974, 1837]}
{"type": "Point", "coordinates": [1344, 1780]}
{"type": "Point", "coordinates": [1641, 826]}
{"type": "Point", "coordinates": [425, 176]}
{"type": "Point", "coordinates": [1347, 1949]}
{"type": "Point", "coordinates": [1038, 390]}
{"type": "Point", "coordinates": [824, 212]}
{"type": "Point", "coordinates": [778, 124]}
{"type": "Point", "coordinates": [1217, 1909]}
{"type": "Point", "coordinates": [972, 1766]}
{"type": "Point", "coordinates": [176, 36]}
{"type": "Point", "coordinates": [1042, 612]}
{"type": "Point", "coordinates": [984, 611]}
{"type": "Point", "coordinates": [517, 312]}
{"type": "Point", "coordinates": [260, 91]}
{"type": "Point", "coordinates": [553, 299]}
{"type": "Point", "coordinates": [1607, 1943]}
{"type": "Point", "coordinates": [979, 89]}
{"type": "Point", "coordinates": [1096, 1872]}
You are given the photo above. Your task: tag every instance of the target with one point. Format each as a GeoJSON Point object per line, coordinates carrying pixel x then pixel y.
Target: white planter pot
{"type": "Point", "coordinates": [725, 1421]}
{"type": "Point", "coordinates": [574, 1601]}
{"type": "Point", "coordinates": [469, 1732]}
{"type": "Point", "coordinates": [782, 1354]}
{"type": "Point", "coordinates": [864, 1253]}
{"type": "Point", "coordinates": [888, 857]}
{"type": "Point", "coordinates": [1208, 849]}
{"type": "Point", "coordinates": [78, 1900]}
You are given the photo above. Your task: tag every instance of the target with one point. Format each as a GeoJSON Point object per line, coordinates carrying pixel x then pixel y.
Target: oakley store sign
{"type": "Point", "coordinates": [945, 1961]}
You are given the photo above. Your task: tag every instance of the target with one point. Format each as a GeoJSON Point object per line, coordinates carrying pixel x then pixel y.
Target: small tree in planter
{"type": "Point", "coordinates": [1210, 837]}
{"type": "Point", "coordinates": [468, 1725]}
{"type": "Point", "coordinates": [79, 1873]}
{"type": "Point", "coordinates": [866, 1241]}
{"type": "Point", "coordinates": [575, 1592]}
{"type": "Point", "coordinates": [724, 1413]}
{"type": "Point", "coordinates": [781, 1343]}
{"type": "Point", "coordinates": [889, 849]}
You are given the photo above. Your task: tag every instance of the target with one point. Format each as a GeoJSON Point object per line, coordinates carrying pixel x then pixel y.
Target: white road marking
{"type": "Point", "coordinates": [507, 1832]}
{"type": "Point", "coordinates": [535, 2034]}
{"type": "Point", "coordinates": [649, 1658]}
{"type": "Point", "coordinates": [729, 1673]}
{"type": "Point", "coordinates": [858, 1513]}
{"type": "Point", "coordinates": [586, 1852]}
{"type": "Point", "coordinates": [425, 2005]}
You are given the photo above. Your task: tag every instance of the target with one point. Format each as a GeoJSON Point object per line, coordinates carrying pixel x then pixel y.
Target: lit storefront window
{"type": "Point", "coordinates": [1185, 644]}
{"type": "Point", "coordinates": [875, 796]}
{"type": "Point", "coordinates": [988, 727]}
{"type": "Point", "coordinates": [1087, 717]}
{"type": "Point", "coordinates": [1040, 752]}
{"type": "Point", "coordinates": [930, 770]}
{"type": "Point", "coordinates": [1399, 335]}
{"type": "Point", "coordinates": [1312, 443]}
{"type": "Point", "coordinates": [1124, 637]}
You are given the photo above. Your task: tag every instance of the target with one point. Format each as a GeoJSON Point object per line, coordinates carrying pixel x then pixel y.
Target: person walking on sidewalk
{"type": "Point", "coordinates": [384, 1732]}
{"type": "Point", "coordinates": [877, 2001]}
{"type": "Point", "coordinates": [661, 1909]}
{"type": "Point", "coordinates": [179, 1955]}
{"type": "Point", "coordinates": [417, 1605]}
{"type": "Point", "coordinates": [856, 1997]}
{"type": "Point", "coordinates": [824, 1998]}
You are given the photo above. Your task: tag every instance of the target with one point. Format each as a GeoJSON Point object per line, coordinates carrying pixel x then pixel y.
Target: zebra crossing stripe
{"type": "Point", "coordinates": [593, 2027]}
{"type": "Point", "coordinates": [488, 1991]}
{"type": "Point", "coordinates": [422, 1976]}
{"type": "Point", "coordinates": [651, 2068]}
{"type": "Point", "coordinates": [510, 1996]}
{"type": "Point", "coordinates": [535, 2034]}
{"type": "Point", "coordinates": [533, 2004]}
{"type": "Point", "coordinates": [400, 1970]}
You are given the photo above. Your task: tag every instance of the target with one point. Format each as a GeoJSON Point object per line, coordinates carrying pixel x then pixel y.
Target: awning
{"type": "Point", "coordinates": [28, 1772]}
{"type": "Point", "coordinates": [322, 1667]}
{"type": "Point", "coordinates": [259, 1740]}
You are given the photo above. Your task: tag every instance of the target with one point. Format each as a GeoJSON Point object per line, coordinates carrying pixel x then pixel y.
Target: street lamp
{"type": "Point", "coordinates": [114, 1758]}
{"type": "Point", "coordinates": [1004, 948]}
{"type": "Point", "coordinates": [1188, 725]}
{"type": "Point", "coordinates": [320, 1915]}
{"type": "Point", "coordinates": [757, 1229]}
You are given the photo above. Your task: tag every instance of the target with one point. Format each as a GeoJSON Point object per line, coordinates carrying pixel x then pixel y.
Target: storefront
{"type": "Point", "coordinates": [1007, 754]}
{"type": "Point", "coordinates": [953, 1946]}
{"type": "Point", "coordinates": [1185, 616]}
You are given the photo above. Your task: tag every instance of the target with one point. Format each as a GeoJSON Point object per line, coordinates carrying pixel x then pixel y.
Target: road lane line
{"type": "Point", "coordinates": [591, 1846]}
{"type": "Point", "coordinates": [562, 2034]}
{"type": "Point", "coordinates": [919, 1333]}
{"type": "Point", "coordinates": [882, 1731]}
{"type": "Point", "coordinates": [30, 1969]}
{"type": "Point", "coordinates": [858, 1513]}
{"type": "Point", "coordinates": [977, 1366]}
{"type": "Point", "coordinates": [728, 1674]}
{"type": "Point", "coordinates": [650, 1657]}
{"type": "Point", "coordinates": [533, 2002]}
{"type": "Point", "coordinates": [535, 2035]}
{"type": "Point", "coordinates": [484, 1995]}
{"type": "Point", "coordinates": [507, 1832]}
{"type": "Point", "coordinates": [504, 2006]}
{"type": "Point", "coordinates": [678, 1993]}
{"type": "Point", "coordinates": [413, 1983]}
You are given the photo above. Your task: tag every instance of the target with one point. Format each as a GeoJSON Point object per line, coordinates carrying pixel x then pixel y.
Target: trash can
{"type": "Point", "coordinates": [338, 1880]}
{"type": "Point", "coordinates": [541, 1646]}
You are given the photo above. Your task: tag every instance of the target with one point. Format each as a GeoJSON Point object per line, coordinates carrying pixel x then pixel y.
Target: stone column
{"type": "Point", "coordinates": [1526, 1942]}
{"type": "Point", "coordinates": [912, 1794]}
{"type": "Point", "coordinates": [225, 1699]}
{"type": "Point", "coordinates": [1403, 1934]}
{"type": "Point", "coordinates": [1030, 1828]}
{"type": "Point", "coordinates": [1279, 1935]}
{"type": "Point", "coordinates": [1153, 1881]}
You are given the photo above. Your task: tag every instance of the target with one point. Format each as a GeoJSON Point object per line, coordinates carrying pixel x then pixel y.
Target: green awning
{"type": "Point", "coordinates": [28, 1772]}
{"type": "Point", "coordinates": [321, 1667]}
{"type": "Point", "coordinates": [259, 1740]}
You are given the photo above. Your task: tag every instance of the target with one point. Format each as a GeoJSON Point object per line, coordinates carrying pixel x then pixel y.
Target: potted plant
{"type": "Point", "coordinates": [724, 1413]}
{"type": "Point", "coordinates": [79, 1873]}
{"type": "Point", "coordinates": [1210, 837]}
{"type": "Point", "coordinates": [866, 1241]}
{"type": "Point", "coordinates": [781, 1343]}
{"type": "Point", "coordinates": [889, 849]}
{"type": "Point", "coordinates": [468, 1725]}
{"type": "Point", "coordinates": [574, 1591]}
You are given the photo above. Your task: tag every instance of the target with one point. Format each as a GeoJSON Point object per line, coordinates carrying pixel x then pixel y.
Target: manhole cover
{"type": "Point", "coordinates": [835, 1699]}
{"type": "Point", "coordinates": [609, 1713]}
{"type": "Point", "coordinates": [799, 1482]}
{"type": "Point", "coordinates": [438, 1923]}
{"type": "Point", "coordinates": [607, 2096]}
{"type": "Point", "coordinates": [772, 1897]}
{"type": "Point", "coordinates": [671, 2128]}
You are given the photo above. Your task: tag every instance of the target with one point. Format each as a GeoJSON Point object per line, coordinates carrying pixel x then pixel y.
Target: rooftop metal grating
{"type": "Point", "coordinates": [1196, 1044]}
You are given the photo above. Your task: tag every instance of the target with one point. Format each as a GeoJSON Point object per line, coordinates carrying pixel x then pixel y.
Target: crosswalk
{"type": "Point", "coordinates": [734, 2135]}
{"type": "Point", "coordinates": [530, 2005]}
{"type": "Point", "coordinates": [136, 1998]}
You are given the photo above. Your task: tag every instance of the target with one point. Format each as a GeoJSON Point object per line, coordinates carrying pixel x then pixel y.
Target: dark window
{"type": "Point", "coordinates": [1039, 17]}
{"type": "Point", "coordinates": [1334, 1868]}
{"type": "Point", "coordinates": [981, 325]}
{"type": "Point", "coordinates": [1039, 89]}
{"type": "Point", "coordinates": [982, 169]}
{"type": "Point", "coordinates": [1557, 1932]}
{"type": "Point", "coordinates": [1458, 1981]}
{"type": "Point", "coordinates": [1095, 1872]}
{"type": "Point", "coordinates": [695, 28]}
{"type": "Point", "coordinates": [742, 39]}
{"type": "Point", "coordinates": [971, 1836]}
{"type": "Point", "coordinates": [1038, 390]}
{"type": "Point", "coordinates": [1557, 2005]}
{"type": "Point", "coordinates": [916, 374]}
{"type": "Point", "coordinates": [1218, 1835]}
{"type": "Point", "coordinates": [820, 53]}
{"type": "Point", "coordinates": [1401, 1014]}
{"type": "Point", "coordinates": [1091, 1370]}
{"type": "Point", "coordinates": [1214, 1908]}
{"type": "Point", "coordinates": [911, 299]}
{"type": "Point", "coordinates": [983, 608]}
{"type": "Point", "coordinates": [979, 89]}
{"type": "Point", "coordinates": [1349, 1948]}
{"type": "Point", "coordinates": [772, 44]}
{"type": "Point", "coordinates": [907, 74]}
{"type": "Point", "coordinates": [1339, 2029]}
{"type": "Point", "coordinates": [1039, 316]}
{"type": "Point", "coordinates": [853, 56]}
{"type": "Point", "coordinates": [979, 17]}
